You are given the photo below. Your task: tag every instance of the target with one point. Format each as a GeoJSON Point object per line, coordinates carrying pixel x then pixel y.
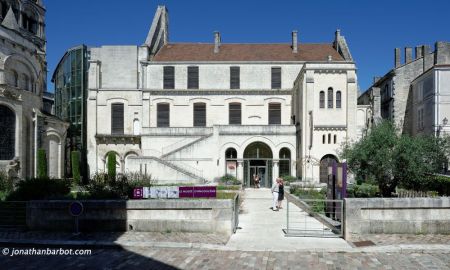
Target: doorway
{"type": "Point", "coordinates": [260, 171]}
{"type": "Point", "coordinates": [258, 161]}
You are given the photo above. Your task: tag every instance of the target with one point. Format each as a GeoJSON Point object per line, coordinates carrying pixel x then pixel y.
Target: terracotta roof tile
{"type": "Point", "coordinates": [245, 52]}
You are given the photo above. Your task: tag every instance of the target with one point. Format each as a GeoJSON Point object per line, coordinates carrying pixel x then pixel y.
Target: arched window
{"type": "Point", "coordinates": [163, 115]}
{"type": "Point", "coordinates": [231, 162]}
{"type": "Point", "coordinates": [338, 99]}
{"type": "Point", "coordinates": [330, 98]}
{"type": "Point", "coordinates": [199, 114]}
{"type": "Point", "coordinates": [322, 99]}
{"type": "Point", "coordinates": [329, 138]}
{"type": "Point", "coordinates": [285, 162]}
{"type": "Point", "coordinates": [26, 82]}
{"type": "Point", "coordinates": [323, 138]}
{"type": "Point", "coordinates": [235, 114]}
{"type": "Point", "coordinates": [15, 78]}
{"type": "Point", "coordinates": [7, 133]}
{"type": "Point", "coordinates": [231, 153]}
{"type": "Point", "coordinates": [335, 139]}
{"type": "Point", "coordinates": [30, 20]}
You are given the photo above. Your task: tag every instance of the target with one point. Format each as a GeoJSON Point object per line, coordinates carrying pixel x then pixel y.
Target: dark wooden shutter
{"type": "Point", "coordinates": [117, 122]}
{"type": "Point", "coordinates": [338, 99]}
{"type": "Point", "coordinates": [192, 78]}
{"type": "Point", "coordinates": [235, 114]}
{"type": "Point", "coordinates": [199, 114]}
{"type": "Point", "coordinates": [163, 115]}
{"type": "Point", "coordinates": [322, 99]}
{"type": "Point", "coordinates": [276, 78]}
{"type": "Point", "coordinates": [235, 77]}
{"type": "Point", "coordinates": [330, 98]}
{"type": "Point", "coordinates": [274, 113]}
{"type": "Point", "coordinates": [169, 77]}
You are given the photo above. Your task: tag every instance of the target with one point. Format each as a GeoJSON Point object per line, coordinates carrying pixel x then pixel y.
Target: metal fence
{"type": "Point", "coordinates": [313, 218]}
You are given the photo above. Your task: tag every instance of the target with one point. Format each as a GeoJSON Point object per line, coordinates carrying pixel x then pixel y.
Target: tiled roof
{"type": "Point", "coordinates": [245, 52]}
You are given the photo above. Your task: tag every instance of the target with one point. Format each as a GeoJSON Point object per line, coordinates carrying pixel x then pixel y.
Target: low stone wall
{"type": "Point", "coordinates": [177, 215]}
{"type": "Point", "coordinates": [396, 215]}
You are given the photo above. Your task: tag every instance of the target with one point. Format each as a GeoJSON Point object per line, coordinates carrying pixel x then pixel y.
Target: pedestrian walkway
{"type": "Point", "coordinates": [262, 228]}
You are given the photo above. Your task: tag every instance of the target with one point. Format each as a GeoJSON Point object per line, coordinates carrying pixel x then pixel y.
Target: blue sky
{"type": "Point", "coordinates": [372, 28]}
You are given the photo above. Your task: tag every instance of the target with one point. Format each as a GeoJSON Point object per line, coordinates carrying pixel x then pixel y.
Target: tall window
{"type": "Point", "coordinates": [199, 114]}
{"type": "Point", "coordinates": [323, 139]}
{"type": "Point", "coordinates": [329, 138]}
{"type": "Point", "coordinates": [163, 115]}
{"type": "Point", "coordinates": [234, 114]}
{"type": "Point", "coordinates": [117, 122]}
{"type": "Point", "coordinates": [235, 77]}
{"type": "Point", "coordinates": [192, 78]}
{"type": "Point", "coordinates": [7, 133]}
{"type": "Point", "coordinates": [276, 78]}
{"type": "Point", "coordinates": [15, 78]}
{"type": "Point", "coordinates": [274, 113]}
{"type": "Point", "coordinates": [338, 99]}
{"type": "Point", "coordinates": [335, 138]}
{"type": "Point", "coordinates": [330, 98]}
{"type": "Point", "coordinates": [322, 99]}
{"type": "Point", "coordinates": [169, 77]}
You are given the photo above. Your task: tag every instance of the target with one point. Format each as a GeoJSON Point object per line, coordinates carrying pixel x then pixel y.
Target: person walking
{"type": "Point", "coordinates": [280, 193]}
{"type": "Point", "coordinates": [275, 190]}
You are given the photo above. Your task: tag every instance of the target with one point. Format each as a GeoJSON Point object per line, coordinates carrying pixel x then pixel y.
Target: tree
{"type": "Point", "coordinates": [41, 164]}
{"type": "Point", "coordinates": [75, 158]}
{"type": "Point", "coordinates": [111, 166]}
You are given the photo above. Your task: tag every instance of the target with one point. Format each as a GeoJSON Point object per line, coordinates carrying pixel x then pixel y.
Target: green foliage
{"type": "Point", "coordinates": [40, 189]}
{"type": "Point", "coordinates": [6, 183]}
{"type": "Point", "coordinates": [363, 191]}
{"type": "Point", "coordinates": [438, 183]}
{"type": "Point", "coordinates": [228, 187]}
{"type": "Point", "coordinates": [41, 163]}
{"type": "Point", "coordinates": [102, 186]}
{"type": "Point", "coordinates": [309, 193]}
{"type": "Point", "coordinates": [390, 158]}
{"type": "Point", "coordinates": [75, 159]}
{"type": "Point", "coordinates": [288, 179]}
{"type": "Point", "coordinates": [111, 165]}
{"type": "Point", "coordinates": [228, 179]}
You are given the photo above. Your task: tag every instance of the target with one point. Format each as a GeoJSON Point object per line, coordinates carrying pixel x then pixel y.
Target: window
{"type": "Point", "coordinates": [231, 153]}
{"type": "Point", "coordinates": [323, 139]}
{"type": "Point", "coordinates": [338, 99]}
{"type": "Point", "coordinates": [199, 114]}
{"type": "Point", "coordinates": [15, 78]}
{"type": "Point", "coordinates": [330, 98]}
{"type": "Point", "coordinates": [335, 139]}
{"type": "Point", "coordinates": [285, 162]}
{"type": "Point", "coordinates": [163, 115]}
{"type": "Point", "coordinates": [117, 118]}
{"type": "Point", "coordinates": [235, 77]}
{"type": "Point", "coordinates": [329, 138]}
{"type": "Point", "coordinates": [274, 113]}
{"type": "Point", "coordinates": [192, 78]}
{"type": "Point", "coordinates": [7, 133]}
{"type": "Point", "coordinates": [276, 78]}
{"type": "Point", "coordinates": [234, 111]}
{"type": "Point", "coordinates": [322, 99]}
{"type": "Point", "coordinates": [169, 77]}
{"type": "Point", "coordinates": [26, 82]}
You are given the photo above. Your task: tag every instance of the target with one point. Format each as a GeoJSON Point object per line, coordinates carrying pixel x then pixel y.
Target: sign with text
{"type": "Point", "coordinates": [198, 192]}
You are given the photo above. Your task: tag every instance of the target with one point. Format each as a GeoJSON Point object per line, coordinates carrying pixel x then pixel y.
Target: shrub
{"type": "Point", "coordinates": [288, 179]}
{"type": "Point", "coordinates": [40, 189]}
{"type": "Point", "coordinates": [229, 179]}
{"type": "Point", "coordinates": [42, 164]}
{"type": "Point", "coordinates": [439, 183]}
{"type": "Point", "coordinates": [112, 165]}
{"type": "Point", "coordinates": [363, 191]}
{"type": "Point", "coordinates": [6, 183]}
{"type": "Point", "coordinates": [75, 158]}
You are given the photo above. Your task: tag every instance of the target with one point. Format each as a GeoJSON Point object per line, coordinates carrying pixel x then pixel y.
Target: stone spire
{"type": "Point", "coordinates": [10, 20]}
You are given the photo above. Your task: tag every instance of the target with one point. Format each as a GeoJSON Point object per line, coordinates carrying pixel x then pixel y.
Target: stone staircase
{"type": "Point", "coordinates": [182, 168]}
{"type": "Point", "coordinates": [168, 154]}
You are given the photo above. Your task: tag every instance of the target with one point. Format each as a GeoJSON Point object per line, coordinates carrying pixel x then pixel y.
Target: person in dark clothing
{"type": "Point", "coordinates": [280, 193]}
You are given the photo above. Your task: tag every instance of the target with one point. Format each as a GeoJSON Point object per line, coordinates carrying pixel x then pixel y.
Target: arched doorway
{"type": "Point", "coordinates": [231, 162]}
{"type": "Point", "coordinates": [258, 161]}
{"type": "Point", "coordinates": [285, 162]}
{"type": "Point", "coordinates": [7, 133]}
{"type": "Point", "coordinates": [325, 162]}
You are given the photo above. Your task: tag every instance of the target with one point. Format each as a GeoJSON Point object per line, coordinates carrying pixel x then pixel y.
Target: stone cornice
{"type": "Point", "coordinates": [330, 127]}
{"type": "Point", "coordinates": [171, 92]}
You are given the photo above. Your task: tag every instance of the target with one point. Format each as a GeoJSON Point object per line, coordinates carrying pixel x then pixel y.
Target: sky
{"type": "Point", "coordinates": [372, 28]}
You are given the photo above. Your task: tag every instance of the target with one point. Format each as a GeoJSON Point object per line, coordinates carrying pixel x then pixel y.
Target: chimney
{"type": "Point", "coordinates": [294, 41]}
{"type": "Point", "coordinates": [217, 41]}
{"type": "Point", "coordinates": [408, 55]}
{"type": "Point", "coordinates": [337, 36]}
{"type": "Point", "coordinates": [419, 53]}
{"type": "Point", "coordinates": [397, 57]}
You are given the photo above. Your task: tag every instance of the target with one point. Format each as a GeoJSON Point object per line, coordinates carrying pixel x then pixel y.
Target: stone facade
{"type": "Point", "coordinates": [402, 90]}
{"type": "Point", "coordinates": [23, 71]}
{"type": "Point", "coordinates": [266, 140]}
